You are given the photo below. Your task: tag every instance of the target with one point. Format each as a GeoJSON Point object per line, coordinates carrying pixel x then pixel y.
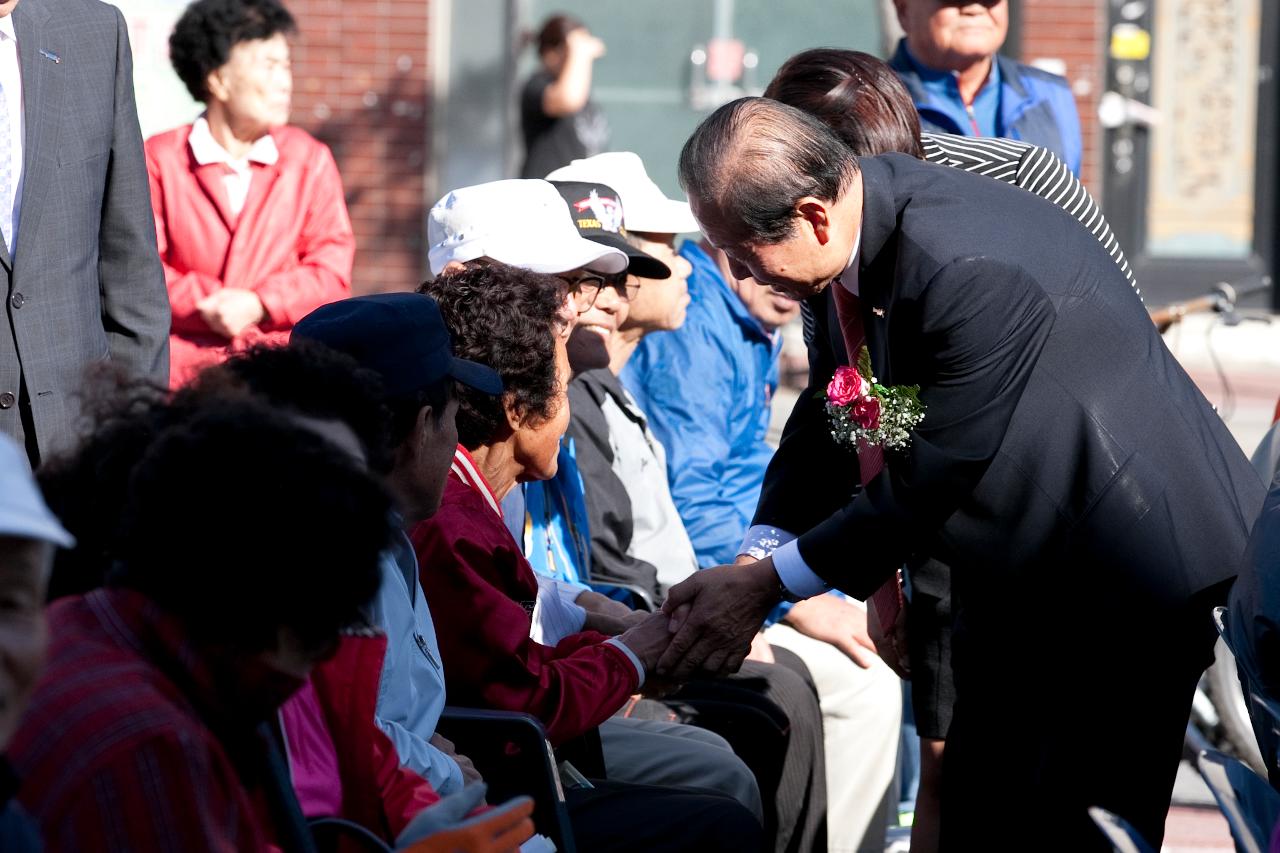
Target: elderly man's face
{"type": "Point", "coordinates": [659, 304]}
{"type": "Point", "coordinates": [952, 35]}
{"type": "Point", "coordinates": [797, 267]}
{"type": "Point", "coordinates": [24, 577]}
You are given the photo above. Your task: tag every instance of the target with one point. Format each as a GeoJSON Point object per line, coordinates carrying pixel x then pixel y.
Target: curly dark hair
{"type": "Point", "coordinates": [241, 522]}
{"type": "Point", "coordinates": [854, 94]}
{"type": "Point", "coordinates": [202, 39]}
{"type": "Point", "coordinates": [506, 318]}
{"type": "Point", "coordinates": [311, 379]}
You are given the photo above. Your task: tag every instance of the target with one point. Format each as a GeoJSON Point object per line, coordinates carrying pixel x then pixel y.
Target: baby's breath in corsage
{"type": "Point", "coordinates": [865, 413]}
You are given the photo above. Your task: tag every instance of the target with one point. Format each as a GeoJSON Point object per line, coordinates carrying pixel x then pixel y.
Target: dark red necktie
{"type": "Point", "coordinates": [888, 600]}
{"type": "Point", "coordinates": [849, 312]}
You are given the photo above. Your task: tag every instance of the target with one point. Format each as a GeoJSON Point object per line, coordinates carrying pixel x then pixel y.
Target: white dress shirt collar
{"type": "Point", "coordinates": [207, 149]}
{"type": "Point", "coordinates": [236, 181]}
{"type": "Point", "coordinates": [849, 278]}
{"type": "Point", "coordinates": [6, 28]}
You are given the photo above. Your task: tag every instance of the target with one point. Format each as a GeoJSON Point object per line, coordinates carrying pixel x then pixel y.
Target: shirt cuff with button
{"type": "Point", "coordinates": [631, 656]}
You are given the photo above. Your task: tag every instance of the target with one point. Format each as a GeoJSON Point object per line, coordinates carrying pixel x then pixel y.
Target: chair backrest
{"type": "Point", "coordinates": [1249, 804]}
{"type": "Point", "coordinates": [1123, 837]}
{"type": "Point", "coordinates": [334, 834]}
{"type": "Point", "coordinates": [514, 757]}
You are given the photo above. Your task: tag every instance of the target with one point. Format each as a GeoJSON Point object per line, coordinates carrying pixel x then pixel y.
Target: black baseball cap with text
{"type": "Point", "coordinates": [597, 213]}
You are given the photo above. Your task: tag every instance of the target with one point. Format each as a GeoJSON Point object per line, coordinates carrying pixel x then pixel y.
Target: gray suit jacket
{"type": "Point", "coordinates": [84, 283]}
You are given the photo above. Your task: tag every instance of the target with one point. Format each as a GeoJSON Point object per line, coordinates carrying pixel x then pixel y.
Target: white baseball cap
{"type": "Point", "coordinates": [647, 208]}
{"type": "Point", "coordinates": [23, 512]}
{"type": "Point", "coordinates": [524, 223]}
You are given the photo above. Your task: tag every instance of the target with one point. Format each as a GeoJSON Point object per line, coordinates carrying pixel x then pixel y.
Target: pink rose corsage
{"type": "Point", "coordinates": [865, 413]}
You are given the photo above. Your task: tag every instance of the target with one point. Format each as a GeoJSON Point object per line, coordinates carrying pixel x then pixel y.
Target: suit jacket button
{"type": "Point", "coordinates": [6, 400]}
{"type": "Point", "coordinates": [17, 300]}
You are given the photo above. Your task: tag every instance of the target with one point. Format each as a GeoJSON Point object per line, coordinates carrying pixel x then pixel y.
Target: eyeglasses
{"type": "Point", "coordinates": [585, 288]}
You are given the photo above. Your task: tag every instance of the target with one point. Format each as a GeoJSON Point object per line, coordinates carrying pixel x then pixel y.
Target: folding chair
{"type": "Point", "coordinates": [1123, 837]}
{"type": "Point", "coordinates": [334, 834]}
{"type": "Point", "coordinates": [512, 753]}
{"type": "Point", "coordinates": [1249, 804]}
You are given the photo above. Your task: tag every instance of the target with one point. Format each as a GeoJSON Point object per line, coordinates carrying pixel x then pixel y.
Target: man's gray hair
{"type": "Point", "coordinates": [754, 158]}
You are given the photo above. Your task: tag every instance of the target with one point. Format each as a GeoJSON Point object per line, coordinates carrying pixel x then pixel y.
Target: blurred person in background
{"type": "Point", "coordinates": [29, 532]}
{"type": "Point", "coordinates": [949, 60]}
{"type": "Point", "coordinates": [250, 217]}
{"type": "Point", "coordinates": [73, 193]}
{"type": "Point", "coordinates": [559, 120]}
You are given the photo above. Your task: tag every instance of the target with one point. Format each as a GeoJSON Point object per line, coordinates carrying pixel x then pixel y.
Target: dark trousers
{"type": "Point", "coordinates": [770, 715]}
{"type": "Point", "coordinates": [1066, 704]}
{"type": "Point", "coordinates": [616, 817]}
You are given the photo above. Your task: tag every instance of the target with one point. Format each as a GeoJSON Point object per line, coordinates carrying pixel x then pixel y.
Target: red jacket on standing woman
{"type": "Point", "coordinates": [291, 244]}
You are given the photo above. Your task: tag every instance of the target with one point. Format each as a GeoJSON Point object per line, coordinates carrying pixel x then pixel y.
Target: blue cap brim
{"type": "Point", "coordinates": [477, 376]}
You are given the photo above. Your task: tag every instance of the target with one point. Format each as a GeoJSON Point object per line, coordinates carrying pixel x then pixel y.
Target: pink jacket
{"type": "Point", "coordinates": [292, 243]}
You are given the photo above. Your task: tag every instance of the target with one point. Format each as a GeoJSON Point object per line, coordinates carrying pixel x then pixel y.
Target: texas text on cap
{"type": "Point", "coordinates": [598, 215]}
{"type": "Point", "coordinates": [23, 512]}
{"type": "Point", "coordinates": [648, 208]}
{"type": "Point", "coordinates": [400, 335]}
{"type": "Point", "coordinates": [517, 222]}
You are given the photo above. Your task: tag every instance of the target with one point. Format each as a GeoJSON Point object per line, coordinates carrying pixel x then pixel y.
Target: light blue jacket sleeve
{"type": "Point", "coordinates": [411, 689]}
{"type": "Point", "coordinates": [685, 370]}
{"type": "Point", "coordinates": [421, 757]}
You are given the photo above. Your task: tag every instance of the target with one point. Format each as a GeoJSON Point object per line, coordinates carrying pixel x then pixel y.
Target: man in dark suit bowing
{"type": "Point", "coordinates": [1092, 505]}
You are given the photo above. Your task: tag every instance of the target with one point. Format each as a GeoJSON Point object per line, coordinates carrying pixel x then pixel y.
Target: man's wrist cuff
{"type": "Point", "coordinates": [796, 576]}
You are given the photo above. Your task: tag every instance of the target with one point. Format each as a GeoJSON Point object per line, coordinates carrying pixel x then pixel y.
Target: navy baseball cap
{"type": "Point", "coordinates": [400, 335]}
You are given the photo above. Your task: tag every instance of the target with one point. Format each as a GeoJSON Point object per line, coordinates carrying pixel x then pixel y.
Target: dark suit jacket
{"type": "Point", "coordinates": [85, 282]}
{"type": "Point", "coordinates": [1060, 434]}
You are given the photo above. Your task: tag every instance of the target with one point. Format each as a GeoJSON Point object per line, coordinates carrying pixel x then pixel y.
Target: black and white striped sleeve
{"type": "Point", "coordinates": [1042, 172]}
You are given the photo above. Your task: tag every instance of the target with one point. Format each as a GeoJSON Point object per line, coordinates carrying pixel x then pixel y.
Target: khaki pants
{"type": "Point", "coordinates": [861, 717]}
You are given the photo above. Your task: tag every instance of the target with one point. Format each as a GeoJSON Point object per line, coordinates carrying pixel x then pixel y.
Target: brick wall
{"type": "Point", "coordinates": [1075, 32]}
{"type": "Point", "coordinates": [361, 84]}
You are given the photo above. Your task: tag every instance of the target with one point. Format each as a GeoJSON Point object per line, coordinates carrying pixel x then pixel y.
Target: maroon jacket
{"type": "Point", "coordinates": [481, 591]}
{"type": "Point", "coordinates": [116, 749]}
{"type": "Point", "coordinates": [377, 792]}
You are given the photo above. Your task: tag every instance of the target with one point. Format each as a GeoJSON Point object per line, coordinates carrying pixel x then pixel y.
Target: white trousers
{"type": "Point", "coordinates": [861, 718]}
{"type": "Point", "coordinates": [653, 752]}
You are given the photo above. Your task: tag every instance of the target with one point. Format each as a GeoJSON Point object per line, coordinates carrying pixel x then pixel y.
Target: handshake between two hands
{"type": "Point", "coordinates": [707, 622]}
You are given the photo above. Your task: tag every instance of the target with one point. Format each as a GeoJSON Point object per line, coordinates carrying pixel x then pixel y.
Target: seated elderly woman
{"type": "Point", "coordinates": [482, 591]}
{"type": "Point", "coordinates": [251, 223]}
